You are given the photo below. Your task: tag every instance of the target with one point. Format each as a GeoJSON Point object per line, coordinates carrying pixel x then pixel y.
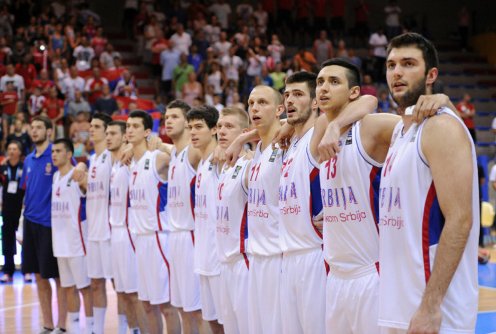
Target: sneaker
{"type": "Point", "coordinates": [6, 278]}
{"type": "Point", "coordinates": [46, 330]}
{"type": "Point", "coordinates": [28, 278]}
{"type": "Point", "coordinates": [58, 331]}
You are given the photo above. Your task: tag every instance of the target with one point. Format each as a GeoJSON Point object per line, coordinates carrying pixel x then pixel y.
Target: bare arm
{"type": "Point", "coordinates": [233, 151]}
{"type": "Point", "coordinates": [447, 162]}
{"type": "Point", "coordinates": [162, 164]}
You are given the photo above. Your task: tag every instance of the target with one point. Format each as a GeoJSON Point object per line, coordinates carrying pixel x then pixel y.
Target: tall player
{"type": "Point", "coordinates": [428, 218]}
{"type": "Point", "coordinates": [148, 198]}
{"type": "Point", "coordinates": [69, 234]}
{"type": "Point", "coordinates": [97, 213]}
{"type": "Point", "coordinates": [202, 123]}
{"type": "Point", "coordinates": [232, 228]}
{"type": "Point", "coordinates": [185, 285]}
{"type": "Point", "coordinates": [122, 241]}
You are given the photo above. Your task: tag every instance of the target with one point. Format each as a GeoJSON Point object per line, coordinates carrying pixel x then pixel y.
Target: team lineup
{"type": "Point", "coordinates": [339, 221]}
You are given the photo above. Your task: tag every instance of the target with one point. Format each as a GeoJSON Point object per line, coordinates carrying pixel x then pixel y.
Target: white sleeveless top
{"type": "Point", "coordinates": [411, 223]}
{"type": "Point", "coordinates": [98, 196]}
{"type": "Point", "coordinates": [299, 198]}
{"type": "Point", "coordinates": [181, 192]}
{"type": "Point", "coordinates": [119, 185]}
{"type": "Point", "coordinates": [69, 228]}
{"type": "Point", "coordinates": [206, 257]}
{"type": "Point", "coordinates": [350, 185]}
{"type": "Point", "coordinates": [232, 207]}
{"type": "Point", "coordinates": [263, 201]}
{"type": "Point", "coordinates": [147, 196]}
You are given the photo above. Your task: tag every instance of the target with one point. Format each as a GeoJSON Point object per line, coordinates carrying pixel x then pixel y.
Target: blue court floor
{"type": "Point", "coordinates": [486, 320]}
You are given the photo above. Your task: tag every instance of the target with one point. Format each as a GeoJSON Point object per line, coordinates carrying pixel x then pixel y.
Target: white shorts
{"type": "Point", "coordinates": [73, 272]}
{"type": "Point", "coordinates": [352, 303]}
{"type": "Point", "coordinates": [99, 259]}
{"type": "Point", "coordinates": [210, 298]}
{"type": "Point", "coordinates": [123, 260]}
{"type": "Point", "coordinates": [264, 309]}
{"type": "Point", "coordinates": [234, 294]}
{"type": "Point", "coordinates": [184, 282]}
{"type": "Point", "coordinates": [152, 268]}
{"type": "Point", "coordinates": [303, 290]}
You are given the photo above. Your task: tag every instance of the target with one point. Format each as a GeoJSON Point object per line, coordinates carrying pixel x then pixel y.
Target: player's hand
{"type": "Point", "coordinates": [329, 145]}
{"type": "Point", "coordinates": [232, 152]}
{"type": "Point", "coordinates": [425, 321]}
{"type": "Point", "coordinates": [153, 143]}
{"type": "Point", "coordinates": [428, 105]}
{"type": "Point", "coordinates": [126, 154]}
{"type": "Point", "coordinates": [319, 225]}
{"type": "Point", "coordinates": [219, 156]}
{"type": "Point", "coordinates": [283, 136]}
{"type": "Point", "coordinates": [78, 175]}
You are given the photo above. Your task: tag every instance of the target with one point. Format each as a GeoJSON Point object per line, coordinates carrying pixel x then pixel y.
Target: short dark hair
{"type": "Point", "coordinates": [352, 73]}
{"type": "Point", "coordinates": [145, 118]}
{"type": "Point", "coordinates": [69, 147]}
{"type": "Point", "coordinates": [106, 119]}
{"type": "Point", "coordinates": [206, 113]}
{"type": "Point", "coordinates": [17, 143]}
{"type": "Point", "coordinates": [428, 49]}
{"type": "Point", "coordinates": [45, 120]}
{"type": "Point", "coordinates": [309, 78]}
{"type": "Point", "coordinates": [181, 105]}
{"type": "Point", "coordinates": [120, 124]}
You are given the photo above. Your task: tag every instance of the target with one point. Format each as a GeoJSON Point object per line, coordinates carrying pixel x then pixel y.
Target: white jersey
{"type": "Point", "coordinates": [206, 257]}
{"type": "Point", "coordinates": [68, 218]}
{"type": "Point", "coordinates": [299, 197]}
{"type": "Point", "coordinates": [232, 206]}
{"type": "Point", "coordinates": [119, 185]}
{"type": "Point", "coordinates": [411, 223]}
{"type": "Point", "coordinates": [181, 192]}
{"type": "Point", "coordinates": [98, 196]}
{"type": "Point", "coordinates": [147, 196]}
{"type": "Point", "coordinates": [350, 185]}
{"type": "Point", "coordinates": [263, 205]}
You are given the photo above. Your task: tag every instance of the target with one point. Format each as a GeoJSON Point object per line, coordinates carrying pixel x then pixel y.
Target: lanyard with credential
{"type": "Point", "coordinates": [9, 174]}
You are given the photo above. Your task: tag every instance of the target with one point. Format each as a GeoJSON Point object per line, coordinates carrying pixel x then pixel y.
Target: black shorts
{"type": "Point", "coordinates": [37, 255]}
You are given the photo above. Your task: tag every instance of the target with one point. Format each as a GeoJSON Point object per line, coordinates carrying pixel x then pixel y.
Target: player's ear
{"type": "Point", "coordinates": [213, 130]}
{"type": "Point", "coordinates": [354, 93]}
{"type": "Point", "coordinates": [431, 76]}
{"type": "Point", "coordinates": [280, 110]}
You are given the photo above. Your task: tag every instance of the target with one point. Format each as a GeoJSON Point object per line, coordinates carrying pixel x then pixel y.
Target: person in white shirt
{"type": "Point", "coordinates": [393, 12]}
{"type": "Point", "coordinates": [231, 65]}
{"type": "Point", "coordinates": [222, 10]}
{"type": "Point", "coordinates": [83, 53]}
{"type": "Point", "coordinates": [181, 40]}
{"type": "Point", "coordinates": [16, 79]}
{"type": "Point", "coordinates": [72, 84]}
{"type": "Point", "coordinates": [378, 41]}
{"type": "Point", "coordinates": [222, 46]}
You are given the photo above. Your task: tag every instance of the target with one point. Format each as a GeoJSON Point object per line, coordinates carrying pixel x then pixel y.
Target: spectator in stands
{"type": "Point", "coordinates": [44, 83]}
{"type": "Point", "coordinates": [385, 103]}
{"type": "Point", "coordinates": [278, 77]}
{"type": "Point", "coordinates": [305, 60]}
{"type": "Point", "coordinates": [107, 57]}
{"type": "Point", "coordinates": [341, 50]}
{"type": "Point", "coordinates": [169, 59]}
{"type": "Point", "coordinates": [20, 134]}
{"type": "Point", "coordinates": [94, 85]}
{"type": "Point", "coordinates": [159, 44]}
{"type": "Point", "coordinates": [9, 101]}
{"type": "Point", "coordinates": [6, 21]}
{"type": "Point", "coordinates": [378, 42]}
{"type": "Point", "coordinates": [36, 102]}
{"type": "Point", "coordinates": [83, 54]}
{"type": "Point", "coordinates": [27, 71]}
{"type": "Point", "coordinates": [212, 30]}
{"type": "Point", "coordinates": [98, 42]}
{"type": "Point", "coordinates": [5, 51]}
{"type": "Point", "coordinates": [57, 40]}
{"type": "Point", "coordinates": [466, 110]}
{"type": "Point", "coordinates": [361, 20]}
{"type": "Point", "coordinates": [276, 49]}
{"type": "Point", "coordinates": [222, 46]}
{"type": "Point", "coordinates": [181, 40]}
{"type": "Point", "coordinates": [322, 48]}
{"type": "Point", "coordinates": [215, 78]}
{"type": "Point", "coordinates": [79, 132]}
{"type": "Point", "coordinates": [222, 11]}
{"type": "Point", "coordinates": [61, 73]}
{"type": "Point", "coordinates": [195, 59]}
{"type": "Point", "coordinates": [16, 80]}
{"type": "Point", "coordinates": [150, 33]}
{"type": "Point", "coordinates": [191, 89]}
{"type": "Point", "coordinates": [12, 197]}
{"type": "Point", "coordinates": [232, 65]}
{"type": "Point", "coordinates": [19, 51]}
{"type": "Point", "coordinates": [79, 104]}
{"type": "Point", "coordinates": [180, 74]}
{"type": "Point", "coordinates": [53, 108]}
{"type": "Point", "coordinates": [368, 87]}
{"type": "Point", "coordinates": [72, 84]}
{"type": "Point", "coordinates": [393, 25]}
{"type": "Point", "coordinates": [261, 17]}
{"type": "Point", "coordinates": [106, 103]}
{"type": "Point", "coordinates": [354, 58]}
{"type": "Point", "coordinates": [126, 86]}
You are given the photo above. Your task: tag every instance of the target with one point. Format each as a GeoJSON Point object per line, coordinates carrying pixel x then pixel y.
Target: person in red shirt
{"type": "Point", "coordinates": [27, 71]}
{"type": "Point", "coordinates": [44, 83]}
{"type": "Point", "coordinates": [99, 42]}
{"type": "Point", "coordinates": [466, 110]}
{"type": "Point", "coordinates": [94, 86]}
{"type": "Point", "coordinates": [53, 108]}
{"type": "Point", "coordinates": [8, 101]}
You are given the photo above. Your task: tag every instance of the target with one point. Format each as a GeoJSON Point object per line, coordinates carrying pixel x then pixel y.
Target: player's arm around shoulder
{"type": "Point", "coordinates": [447, 149]}
{"type": "Point", "coordinates": [162, 164]}
{"type": "Point", "coordinates": [376, 131]}
{"type": "Point", "coordinates": [194, 157]}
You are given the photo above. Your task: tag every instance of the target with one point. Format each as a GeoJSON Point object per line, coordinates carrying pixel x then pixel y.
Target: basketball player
{"type": "Point", "coordinates": [429, 210]}
{"type": "Point", "coordinates": [148, 197]}
{"type": "Point", "coordinates": [202, 123]}
{"type": "Point", "coordinates": [232, 228]}
{"type": "Point", "coordinates": [185, 284]}
{"type": "Point", "coordinates": [97, 205]}
{"type": "Point", "coordinates": [69, 235]}
{"type": "Point", "coordinates": [122, 241]}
